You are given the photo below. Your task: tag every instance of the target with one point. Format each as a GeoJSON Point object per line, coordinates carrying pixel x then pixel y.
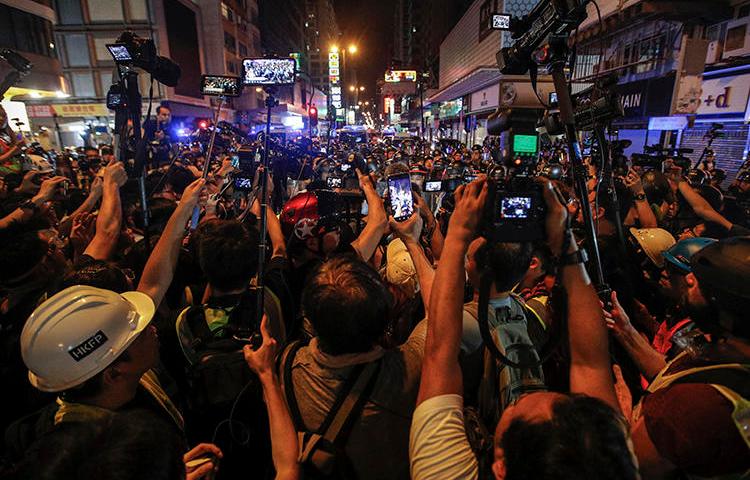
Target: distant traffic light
{"type": "Point", "coordinates": [313, 115]}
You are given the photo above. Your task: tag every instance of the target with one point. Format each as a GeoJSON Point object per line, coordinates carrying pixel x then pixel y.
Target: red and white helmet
{"type": "Point", "coordinates": [304, 214]}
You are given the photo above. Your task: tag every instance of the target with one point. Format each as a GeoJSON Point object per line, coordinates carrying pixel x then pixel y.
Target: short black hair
{"type": "Point", "coordinates": [99, 274]}
{"type": "Point", "coordinates": [584, 440]}
{"type": "Point", "coordinates": [21, 249]}
{"type": "Point", "coordinates": [228, 254]}
{"type": "Point", "coordinates": [508, 262]}
{"type": "Point", "coordinates": [158, 109]}
{"type": "Point", "coordinates": [348, 305]}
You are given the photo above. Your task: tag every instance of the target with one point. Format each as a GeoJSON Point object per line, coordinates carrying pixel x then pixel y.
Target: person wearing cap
{"type": "Point", "coordinates": [98, 349]}
{"type": "Point", "coordinates": [649, 244]}
{"type": "Point", "coordinates": [677, 284]}
{"type": "Point", "coordinates": [693, 418]}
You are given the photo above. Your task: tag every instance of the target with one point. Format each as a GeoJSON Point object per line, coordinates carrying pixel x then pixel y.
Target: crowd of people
{"type": "Point", "coordinates": [344, 343]}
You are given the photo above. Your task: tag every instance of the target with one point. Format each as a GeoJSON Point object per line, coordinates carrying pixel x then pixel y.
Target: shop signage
{"type": "Point", "coordinates": [485, 99]}
{"type": "Point", "coordinates": [40, 111]}
{"type": "Point", "coordinates": [646, 98]}
{"type": "Point", "coordinates": [667, 123]}
{"type": "Point", "coordinates": [451, 109]}
{"type": "Point", "coordinates": [396, 76]}
{"type": "Point", "coordinates": [724, 95]}
{"type": "Point", "coordinates": [399, 88]}
{"type": "Point", "coordinates": [82, 110]}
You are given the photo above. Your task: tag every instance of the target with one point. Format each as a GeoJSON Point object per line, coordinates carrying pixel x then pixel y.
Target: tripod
{"type": "Point", "coordinates": [559, 54]}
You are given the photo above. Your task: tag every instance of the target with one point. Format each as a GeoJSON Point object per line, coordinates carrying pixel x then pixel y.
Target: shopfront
{"type": "Point", "coordinates": [724, 100]}
{"type": "Point", "coordinates": [641, 101]}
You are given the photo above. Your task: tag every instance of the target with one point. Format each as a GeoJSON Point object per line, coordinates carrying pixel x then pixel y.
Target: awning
{"type": "Point", "coordinates": [476, 80]}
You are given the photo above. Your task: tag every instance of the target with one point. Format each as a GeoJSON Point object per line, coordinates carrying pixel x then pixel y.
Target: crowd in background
{"type": "Point", "coordinates": [149, 346]}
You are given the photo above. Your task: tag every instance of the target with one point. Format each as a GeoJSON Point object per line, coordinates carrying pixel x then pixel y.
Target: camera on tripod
{"type": "Point", "coordinates": [132, 50]}
{"type": "Point", "coordinates": [515, 211]}
{"type": "Point", "coordinates": [653, 156]}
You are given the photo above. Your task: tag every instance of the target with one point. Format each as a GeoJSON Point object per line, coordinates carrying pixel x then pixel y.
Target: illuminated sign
{"type": "Point", "coordinates": [394, 76]}
{"type": "Point", "coordinates": [334, 72]}
{"type": "Point", "coordinates": [335, 90]}
{"type": "Point", "coordinates": [297, 60]}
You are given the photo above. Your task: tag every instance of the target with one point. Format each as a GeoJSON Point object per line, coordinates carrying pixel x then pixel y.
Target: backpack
{"type": "Point", "coordinates": [217, 372]}
{"type": "Point", "coordinates": [502, 384]}
{"type": "Point", "coordinates": [322, 452]}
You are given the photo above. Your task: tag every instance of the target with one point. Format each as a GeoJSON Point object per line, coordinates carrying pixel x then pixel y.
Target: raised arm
{"type": "Point", "coordinates": [641, 208]}
{"type": "Point", "coordinates": [590, 370]}
{"type": "Point", "coordinates": [46, 192]}
{"type": "Point", "coordinates": [369, 238]}
{"type": "Point", "coordinates": [646, 358]}
{"type": "Point", "coordinates": [700, 206]}
{"type": "Point", "coordinates": [409, 231]}
{"type": "Point", "coordinates": [441, 373]}
{"type": "Point", "coordinates": [284, 446]}
{"type": "Point", "coordinates": [159, 270]}
{"type": "Point", "coordinates": [109, 220]}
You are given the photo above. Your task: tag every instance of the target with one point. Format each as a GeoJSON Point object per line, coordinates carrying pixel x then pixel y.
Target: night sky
{"type": "Point", "coordinates": [369, 25]}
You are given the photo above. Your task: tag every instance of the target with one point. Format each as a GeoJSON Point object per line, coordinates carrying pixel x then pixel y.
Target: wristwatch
{"type": "Point", "coordinates": [579, 256]}
{"type": "Point", "coordinates": [29, 205]}
{"type": "Point", "coordinates": [640, 197]}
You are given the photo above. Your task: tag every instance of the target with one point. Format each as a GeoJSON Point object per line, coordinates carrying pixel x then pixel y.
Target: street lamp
{"type": "Point", "coordinates": [334, 49]}
{"type": "Point", "coordinates": [352, 49]}
{"type": "Point", "coordinates": [361, 89]}
{"type": "Point", "coordinates": [352, 88]}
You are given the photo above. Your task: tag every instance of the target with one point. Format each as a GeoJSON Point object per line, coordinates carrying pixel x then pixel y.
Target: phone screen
{"type": "Point", "coordinates": [235, 161]}
{"type": "Point", "coordinates": [333, 182]}
{"type": "Point", "coordinates": [433, 186]}
{"type": "Point", "coordinates": [243, 183]}
{"type": "Point", "coordinates": [399, 192]}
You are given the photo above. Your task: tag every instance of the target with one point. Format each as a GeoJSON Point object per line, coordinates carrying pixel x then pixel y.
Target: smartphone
{"type": "Point", "coordinates": [345, 167]}
{"type": "Point", "coordinates": [334, 182]}
{"type": "Point", "coordinates": [243, 184]}
{"type": "Point", "coordinates": [433, 186]}
{"type": "Point", "coordinates": [235, 161]}
{"type": "Point", "coordinates": [400, 196]}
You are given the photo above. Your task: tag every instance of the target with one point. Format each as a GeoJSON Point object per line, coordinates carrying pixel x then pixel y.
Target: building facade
{"type": "Point", "coordinates": [688, 63]}
{"type": "Point", "coordinates": [27, 28]}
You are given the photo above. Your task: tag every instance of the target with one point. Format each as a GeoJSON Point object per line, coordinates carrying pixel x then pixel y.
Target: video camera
{"type": "Point", "coordinates": [131, 49]}
{"type": "Point", "coordinates": [515, 211]}
{"type": "Point", "coordinates": [548, 18]}
{"type": "Point", "coordinates": [653, 156]}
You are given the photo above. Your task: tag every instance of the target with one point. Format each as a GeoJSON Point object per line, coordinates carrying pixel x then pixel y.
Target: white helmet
{"type": "Point", "coordinates": [653, 241]}
{"type": "Point", "coordinates": [79, 332]}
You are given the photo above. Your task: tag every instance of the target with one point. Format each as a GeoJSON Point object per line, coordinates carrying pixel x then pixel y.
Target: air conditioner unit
{"type": "Point", "coordinates": [713, 54]}
{"type": "Point", "coordinates": [737, 41]}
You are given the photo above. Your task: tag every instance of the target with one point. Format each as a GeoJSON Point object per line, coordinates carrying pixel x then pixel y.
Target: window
{"type": "Point", "coordinates": [83, 84]}
{"type": "Point", "coordinates": [100, 46]}
{"type": "Point", "coordinates": [485, 14]}
{"type": "Point", "coordinates": [229, 42]}
{"type": "Point", "coordinates": [25, 32]}
{"type": "Point", "coordinates": [227, 12]}
{"type": "Point", "coordinates": [138, 10]}
{"type": "Point", "coordinates": [105, 77]}
{"type": "Point", "coordinates": [243, 50]}
{"type": "Point", "coordinates": [743, 11]}
{"type": "Point", "coordinates": [77, 48]}
{"type": "Point", "coordinates": [735, 37]}
{"type": "Point", "coordinates": [69, 12]}
{"type": "Point", "coordinates": [231, 67]}
{"type": "Point", "coordinates": [105, 10]}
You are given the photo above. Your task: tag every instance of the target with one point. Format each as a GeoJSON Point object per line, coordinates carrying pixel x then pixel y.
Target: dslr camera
{"type": "Point", "coordinates": [515, 212]}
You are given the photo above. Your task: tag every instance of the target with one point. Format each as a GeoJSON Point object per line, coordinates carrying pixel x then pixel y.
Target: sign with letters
{"type": "Point", "coordinates": [724, 95]}
{"type": "Point", "coordinates": [485, 99]}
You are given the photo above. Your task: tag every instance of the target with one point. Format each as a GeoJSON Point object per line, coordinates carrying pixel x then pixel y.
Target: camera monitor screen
{"type": "Point", "coordinates": [524, 143]}
{"type": "Point", "coordinates": [221, 85]}
{"type": "Point", "coordinates": [243, 183]}
{"type": "Point", "coordinates": [515, 207]}
{"type": "Point", "coordinates": [119, 52]}
{"type": "Point", "coordinates": [268, 71]}
{"type": "Point", "coordinates": [399, 192]}
{"type": "Point", "coordinates": [500, 21]}
{"type": "Point", "coordinates": [433, 186]}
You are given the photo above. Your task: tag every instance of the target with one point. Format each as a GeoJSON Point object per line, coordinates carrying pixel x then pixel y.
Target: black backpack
{"type": "Point", "coordinates": [220, 373]}
{"type": "Point", "coordinates": [322, 453]}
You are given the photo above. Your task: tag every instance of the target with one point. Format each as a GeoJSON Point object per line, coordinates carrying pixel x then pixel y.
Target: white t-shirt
{"type": "Point", "coordinates": [438, 447]}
